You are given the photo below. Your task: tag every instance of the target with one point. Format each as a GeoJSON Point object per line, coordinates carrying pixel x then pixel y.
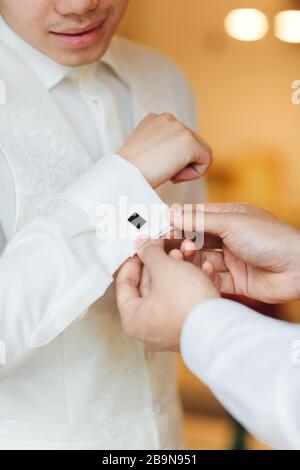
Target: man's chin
{"type": "Point", "coordinates": [76, 58]}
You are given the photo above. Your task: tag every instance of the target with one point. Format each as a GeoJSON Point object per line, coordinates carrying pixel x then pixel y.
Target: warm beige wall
{"type": "Point", "coordinates": [244, 94]}
{"type": "Point", "coordinates": [243, 90]}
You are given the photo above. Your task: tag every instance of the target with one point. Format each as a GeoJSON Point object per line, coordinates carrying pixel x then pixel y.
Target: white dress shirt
{"type": "Point", "coordinates": [70, 265]}
{"type": "Point", "coordinates": [252, 365]}
{"type": "Point", "coordinates": [88, 386]}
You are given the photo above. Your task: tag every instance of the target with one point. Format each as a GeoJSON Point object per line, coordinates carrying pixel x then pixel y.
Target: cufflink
{"type": "Point", "coordinates": [137, 220]}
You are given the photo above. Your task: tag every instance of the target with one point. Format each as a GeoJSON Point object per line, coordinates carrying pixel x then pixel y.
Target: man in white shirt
{"type": "Point", "coordinates": [250, 362]}
{"type": "Point", "coordinates": [69, 377]}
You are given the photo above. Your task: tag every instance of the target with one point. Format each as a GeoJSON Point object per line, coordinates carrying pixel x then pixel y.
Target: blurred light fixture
{"type": "Point", "coordinates": [287, 26]}
{"type": "Point", "coordinates": [246, 24]}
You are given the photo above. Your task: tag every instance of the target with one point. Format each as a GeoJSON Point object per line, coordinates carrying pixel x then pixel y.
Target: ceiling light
{"type": "Point", "coordinates": [246, 24]}
{"type": "Point", "coordinates": [287, 26]}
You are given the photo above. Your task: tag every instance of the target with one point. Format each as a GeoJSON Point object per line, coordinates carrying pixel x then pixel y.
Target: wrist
{"type": "Point", "coordinates": [213, 295]}
{"type": "Point", "coordinates": [139, 165]}
{"type": "Point", "coordinates": [292, 267]}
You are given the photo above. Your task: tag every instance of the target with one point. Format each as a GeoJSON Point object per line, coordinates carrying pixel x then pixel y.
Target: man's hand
{"type": "Point", "coordinates": [155, 299]}
{"type": "Point", "coordinates": [164, 149]}
{"type": "Point", "coordinates": [260, 256]}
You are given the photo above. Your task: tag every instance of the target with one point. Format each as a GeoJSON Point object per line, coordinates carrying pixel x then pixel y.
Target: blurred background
{"type": "Point", "coordinates": [242, 66]}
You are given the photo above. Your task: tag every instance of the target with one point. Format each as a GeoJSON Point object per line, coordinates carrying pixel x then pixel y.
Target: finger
{"type": "Point", "coordinates": [210, 240]}
{"type": "Point", "coordinates": [199, 259]}
{"type": "Point", "coordinates": [189, 250]}
{"type": "Point", "coordinates": [231, 207]}
{"type": "Point", "coordinates": [188, 245]}
{"type": "Point", "coordinates": [219, 208]}
{"type": "Point", "coordinates": [153, 255]}
{"type": "Point", "coordinates": [216, 258]}
{"type": "Point", "coordinates": [176, 255]}
{"type": "Point", "coordinates": [127, 282]}
{"type": "Point", "coordinates": [209, 270]}
{"type": "Point", "coordinates": [189, 173]}
{"type": "Point", "coordinates": [197, 219]}
{"type": "Point", "coordinates": [225, 283]}
{"type": "Point", "coordinates": [145, 284]}
{"type": "Point", "coordinates": [150, 117]}
{"type": "Point", "coordinates": [203, 159]}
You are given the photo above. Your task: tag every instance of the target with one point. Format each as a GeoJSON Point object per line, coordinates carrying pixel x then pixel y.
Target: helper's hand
{"type": "Point", "coordinates": [155, 299]}
{"type": "Point", "coordinates": [163, 149]}
{"type": "Point", "coordinates": [260, 255]}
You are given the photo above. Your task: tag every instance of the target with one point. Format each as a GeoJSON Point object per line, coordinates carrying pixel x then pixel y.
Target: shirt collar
{"type": "Point", "coordinates": [49, 72]}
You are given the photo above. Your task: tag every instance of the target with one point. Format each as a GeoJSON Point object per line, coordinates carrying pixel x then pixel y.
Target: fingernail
{"type": "Point", "coordinates": [189, 245]}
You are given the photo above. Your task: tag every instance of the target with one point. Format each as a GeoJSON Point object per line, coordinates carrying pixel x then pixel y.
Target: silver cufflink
{"type": "Point", "coordinates": [137, 220]}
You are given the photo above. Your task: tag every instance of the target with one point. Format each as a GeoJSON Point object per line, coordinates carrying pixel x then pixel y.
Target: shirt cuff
{"type": "Point", "coordinates": [203, 329]}
{"type": "Point", "coordinates": [118, 206]}
{"type": "Point", "coordinates": [121, 206]}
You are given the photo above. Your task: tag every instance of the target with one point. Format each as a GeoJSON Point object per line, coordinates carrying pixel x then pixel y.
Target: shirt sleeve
{"type": "Point", "coordinates": [53, 269]}
{"type": "Point", "coordinates": [252, 365]}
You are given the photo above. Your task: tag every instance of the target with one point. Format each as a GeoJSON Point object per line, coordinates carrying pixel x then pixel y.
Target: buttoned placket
{"type": "Point", "coordinates": [105, 112]}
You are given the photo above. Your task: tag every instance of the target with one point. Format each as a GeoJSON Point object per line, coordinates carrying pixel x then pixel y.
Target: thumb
{"type": "Point", "coordinates": [218, 223]}
{"type": "Point", "coordinates": [152, 254]}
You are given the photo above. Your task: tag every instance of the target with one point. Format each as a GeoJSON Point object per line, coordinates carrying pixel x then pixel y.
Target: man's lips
{"type": "Point", "coordinates": [80, 37]}
{"type": "Point", "coordinates": [73, 31]}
